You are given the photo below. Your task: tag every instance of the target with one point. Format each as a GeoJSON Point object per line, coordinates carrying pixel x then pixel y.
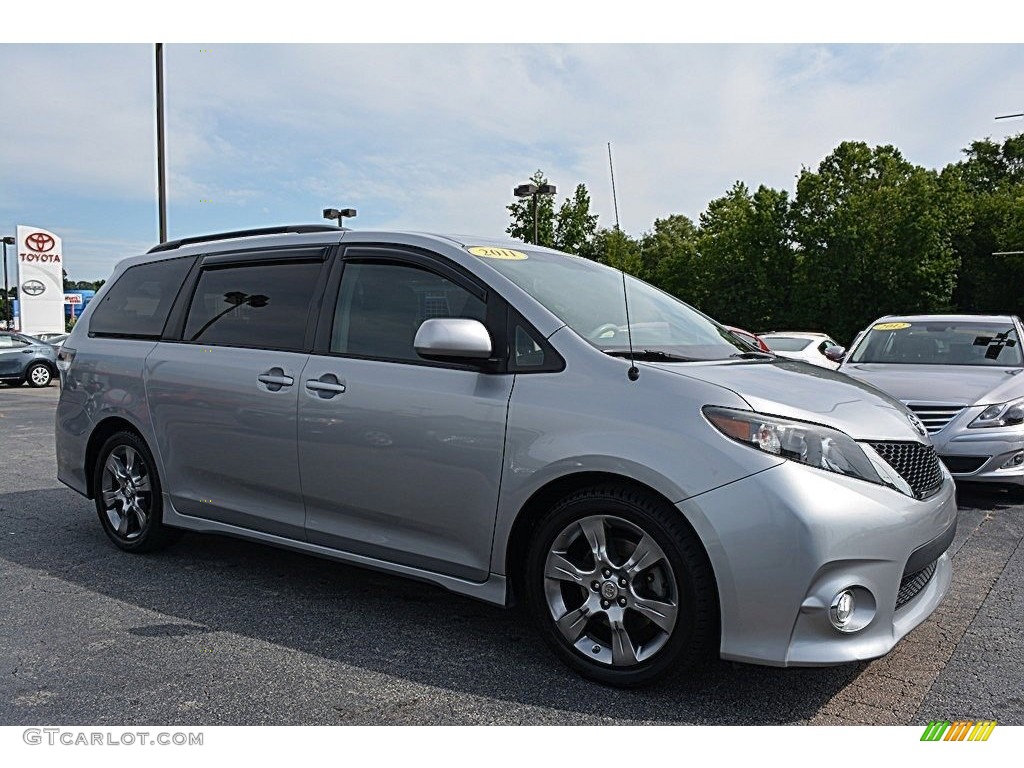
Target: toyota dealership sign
{"type": "Point", "coordinates": [40, 281]}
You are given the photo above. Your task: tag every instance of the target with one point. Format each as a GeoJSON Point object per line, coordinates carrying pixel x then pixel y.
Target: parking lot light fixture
{"type": "Point", "coordinates": [534, 191]}
{"type": "Point", "coordinates": [339, 214]}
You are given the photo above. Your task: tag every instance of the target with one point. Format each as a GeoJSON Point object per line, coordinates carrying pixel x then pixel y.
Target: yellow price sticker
{"type": "Point", "coordinates": [890, 326]}
{"type": "Point", "coordinates": [489, 252]}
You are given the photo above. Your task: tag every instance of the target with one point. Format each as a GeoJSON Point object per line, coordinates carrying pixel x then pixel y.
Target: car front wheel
{"type": "Point", "coordinates": [621, 588]}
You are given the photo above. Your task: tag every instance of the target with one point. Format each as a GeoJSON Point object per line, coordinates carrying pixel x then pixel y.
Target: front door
{"type": "Point", "coordinates": [401, 459]}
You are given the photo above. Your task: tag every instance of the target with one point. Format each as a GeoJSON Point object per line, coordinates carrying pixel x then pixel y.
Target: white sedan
{"type": "Point", "coordinates": [809, 347]}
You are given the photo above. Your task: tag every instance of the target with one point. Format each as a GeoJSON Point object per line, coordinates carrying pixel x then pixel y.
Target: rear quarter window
{"type": "Point", "coordinates": [137, 305]}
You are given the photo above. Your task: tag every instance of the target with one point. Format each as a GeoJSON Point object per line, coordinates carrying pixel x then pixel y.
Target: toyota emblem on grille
{"type": "Point", "coordinates": [39, 241]}
{"type": "Point", "coordinates": [33, 288]}
{"type": "Point", "coordinates": [917, 424]}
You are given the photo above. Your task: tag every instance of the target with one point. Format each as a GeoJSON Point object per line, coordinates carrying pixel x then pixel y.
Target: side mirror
{"type": "Point", "coordinates": [452, 338]}
{"type": "Point", "coordinates": [835, 354]}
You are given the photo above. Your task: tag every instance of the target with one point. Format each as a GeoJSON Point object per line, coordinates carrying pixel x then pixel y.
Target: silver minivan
{"type": "Point", "coordinates": [508, 422]}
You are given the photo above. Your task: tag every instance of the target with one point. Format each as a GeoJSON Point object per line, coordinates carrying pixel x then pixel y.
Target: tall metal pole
{"type": "Point", "coordinates": [535, 242]}
{"type": "Point", "coordinates": [161, 160]}
{"type": "Point", "coordinates": [7, 292]}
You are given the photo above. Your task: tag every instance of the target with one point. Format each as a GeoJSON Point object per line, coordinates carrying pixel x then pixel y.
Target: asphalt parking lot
{"type": "Point", "coordinates": [221, 632]}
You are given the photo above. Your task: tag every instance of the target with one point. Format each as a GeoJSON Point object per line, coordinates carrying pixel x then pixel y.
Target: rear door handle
{"type": "Point", "coordinates": [275, 379]}
{"type": "Point", "coordinates": [326, 386]}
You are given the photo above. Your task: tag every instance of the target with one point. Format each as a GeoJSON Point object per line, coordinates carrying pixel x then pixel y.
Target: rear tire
{"type": "Point", "coordinates": [129, 498]}
{"type": "Point", "coordinates": [39, 375]}
{"type": "Point", "coordinates": [620, 587]}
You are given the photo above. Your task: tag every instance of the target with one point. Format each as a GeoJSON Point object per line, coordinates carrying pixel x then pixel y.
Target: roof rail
{"type": "Point", "coordinates": [294, 229]}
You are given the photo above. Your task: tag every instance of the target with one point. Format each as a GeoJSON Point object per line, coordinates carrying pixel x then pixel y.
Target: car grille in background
{"type": "Point", "coordinates": [912, 584]}
{"type": "Point", "coordinates": [935, 416]}
{"type": "Point", "coordinates": [963, 465]}
{"type": "Point", "coordinates": [916, 463]}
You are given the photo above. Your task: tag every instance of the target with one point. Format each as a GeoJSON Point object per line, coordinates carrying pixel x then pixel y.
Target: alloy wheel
{"type": "Point", "coordinates": [126, 492]}
{"type": "Point", "coordinates": [610, 590]}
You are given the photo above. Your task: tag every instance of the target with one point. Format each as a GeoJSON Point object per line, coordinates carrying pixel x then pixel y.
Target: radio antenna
{"type": "Point", "coordinates": [615, 199]}
{"type": "Point", "coordinates": [633, 373]}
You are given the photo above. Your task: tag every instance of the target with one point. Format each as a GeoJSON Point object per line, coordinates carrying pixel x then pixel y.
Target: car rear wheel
{"type": "Point", "coordinates": [128, 495]}
{"type": "Point", "coordinates": [621, 588]}
{"type": "Point", "coordinates": [39, 375]}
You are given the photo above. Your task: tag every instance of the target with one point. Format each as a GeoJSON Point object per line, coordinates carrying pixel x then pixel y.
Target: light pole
{"type": "Point", "coordinates": [534, 191]}
{"type": "Point", "coordinates": [8, 240]}
{"type": "Point", "coordinates": [340, 215]}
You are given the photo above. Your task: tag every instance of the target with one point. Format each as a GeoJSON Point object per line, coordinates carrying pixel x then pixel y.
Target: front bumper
{"type": "Point", "coordinates": [785, 541]}
{"type": "Point", "coordinates": [980, 455]}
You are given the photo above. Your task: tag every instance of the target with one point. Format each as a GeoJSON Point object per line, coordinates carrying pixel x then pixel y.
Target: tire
{"type": "Point", "coordinates": [129, 499]}
{"type": "Point", "coordinates": [38, 375]}
{"type": "Point", "coordinates": [618, 625]}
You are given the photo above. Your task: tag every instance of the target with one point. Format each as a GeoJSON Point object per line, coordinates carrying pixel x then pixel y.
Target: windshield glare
{"type": "Point", "coordinates": [588, 297]}
{"type": "Point", "coordinates": [934, 343]}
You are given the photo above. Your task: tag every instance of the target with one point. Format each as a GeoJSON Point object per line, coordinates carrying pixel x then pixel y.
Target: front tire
{"type": "Point", "coordinates": [39, 375]}
{"type": "Point", "coordinates": [129, 499]}
{"type": "Point", "coordinates": [621, 588]}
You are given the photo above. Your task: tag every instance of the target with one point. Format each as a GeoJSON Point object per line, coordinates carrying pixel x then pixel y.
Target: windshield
{"type": "Point", "coordinates": [786, 343]}
{"type": "Point", "coordinates": [940, 343]}
{"type": "Point", "coordinates": [588, 297]}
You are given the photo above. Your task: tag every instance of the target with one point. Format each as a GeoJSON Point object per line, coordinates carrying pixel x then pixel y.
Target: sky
{"type": "Point", "coordinates": [433, 137]}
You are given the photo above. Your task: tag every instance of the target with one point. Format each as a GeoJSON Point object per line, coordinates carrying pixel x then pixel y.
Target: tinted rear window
{"type": "Point", "coordinates": [137, 305]}
{"type": "Point", "coordinates": [254, 305]}
{"type": "Point", "coordinates": [786, 343]}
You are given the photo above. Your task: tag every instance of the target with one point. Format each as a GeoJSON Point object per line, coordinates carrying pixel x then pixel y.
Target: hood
{"type": "Point", "coordinates": [806, 392]}
{"type": "Point", "coordinates": [960, 384]}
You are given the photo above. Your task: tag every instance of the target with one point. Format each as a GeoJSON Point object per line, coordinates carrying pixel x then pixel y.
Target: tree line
{"type": "Point", "coordinates": [865, 234]}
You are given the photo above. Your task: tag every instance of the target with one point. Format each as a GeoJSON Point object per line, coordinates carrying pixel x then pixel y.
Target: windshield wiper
{"type": "Point", "coordinates": [753, 356]}
{"type": "Point", "coordinates": [655, 355]}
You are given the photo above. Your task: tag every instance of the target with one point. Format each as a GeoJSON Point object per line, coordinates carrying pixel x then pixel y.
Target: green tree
{"type": "Point", "coordinates": [616, 249]}
{"type": "Point", "coordinates": [575, 224]}
{"type": "Point", "coordinates": [748, 258]}
{"type": "Point", "coordinates": [873, 238]}
{"type": "Point", "coordinates": [671, 260]}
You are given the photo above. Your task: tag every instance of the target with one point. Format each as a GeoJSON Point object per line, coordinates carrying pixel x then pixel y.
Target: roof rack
{"type": "Point", "coordinates": [289, 229]}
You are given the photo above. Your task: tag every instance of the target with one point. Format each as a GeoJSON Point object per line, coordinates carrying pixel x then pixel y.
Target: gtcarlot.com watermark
{"type": "Point", "coordinates": [70, 737]}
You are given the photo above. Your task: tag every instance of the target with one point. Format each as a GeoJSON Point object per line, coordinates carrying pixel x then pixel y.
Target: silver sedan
{"type": "Point", "coordinates": [961, 375]}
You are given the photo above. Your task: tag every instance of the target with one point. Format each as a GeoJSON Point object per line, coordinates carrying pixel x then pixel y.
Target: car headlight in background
{"type": "Point", "coordinates": [810, 444]}
{"type": "Point", "coordinates": [1001, 415]}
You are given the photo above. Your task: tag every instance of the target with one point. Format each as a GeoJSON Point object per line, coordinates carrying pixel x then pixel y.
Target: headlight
{"type": "Point", "coordinates": [810, 444]}
{"type": "Point", "coordinates": [1001, 415]}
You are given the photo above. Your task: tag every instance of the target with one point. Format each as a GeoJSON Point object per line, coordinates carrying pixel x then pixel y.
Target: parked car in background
{"type": "Point", "coordinates": [491, 417]}
{"type": "Point", "coordinates": [809, 347]}
{"type": "Point", "coordinates": [751, 338]}
{"type": "Point", "coordinates": [963, 375]}
{"type": "Point", "coordinates": [25, 359]}
{"type": "Point", "coordinates": [51, 338]}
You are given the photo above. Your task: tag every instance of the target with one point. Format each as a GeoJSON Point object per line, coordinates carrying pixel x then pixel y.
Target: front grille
{"type": "Point", "coordinates": [916, 463]}
{"type": "Point", "coordinates": [963, 465]}
{"type": "Point", "coordinates": [912, 584]}
{"type": "Point", "coordinates": [935, 416]}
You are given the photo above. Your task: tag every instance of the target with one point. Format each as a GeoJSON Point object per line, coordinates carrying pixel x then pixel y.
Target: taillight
{"type": "Point", "coordinates": [64, 359]}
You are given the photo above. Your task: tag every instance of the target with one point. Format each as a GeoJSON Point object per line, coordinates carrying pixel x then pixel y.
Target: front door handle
{"type": "Point", "coordinates": [275, 379]}
{"type": "Point", "coordinates": [326, 386]}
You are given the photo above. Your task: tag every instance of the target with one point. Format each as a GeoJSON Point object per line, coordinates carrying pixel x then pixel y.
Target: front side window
{"type": "Point", "coordinates": [382, 305]}
{"type": "Point", "coordinates": [253, 305]}
{"type": "Point", "coordinates": [940, 343]}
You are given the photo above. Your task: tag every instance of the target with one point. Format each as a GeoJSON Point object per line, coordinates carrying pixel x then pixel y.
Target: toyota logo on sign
{"type": "Point", "coordinates": [33, 288]}
{"type": "Point", "coordinates": [39, 241]}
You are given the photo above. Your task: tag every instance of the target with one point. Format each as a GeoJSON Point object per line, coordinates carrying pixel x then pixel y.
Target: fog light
{"type": "Point", "coordinates": [842, 608]}
{"type": "Point", "coordinates": [1014, 461]}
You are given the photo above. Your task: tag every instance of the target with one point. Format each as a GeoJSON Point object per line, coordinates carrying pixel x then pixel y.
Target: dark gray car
{"type": "Point", "coordinates": [24, 359]}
